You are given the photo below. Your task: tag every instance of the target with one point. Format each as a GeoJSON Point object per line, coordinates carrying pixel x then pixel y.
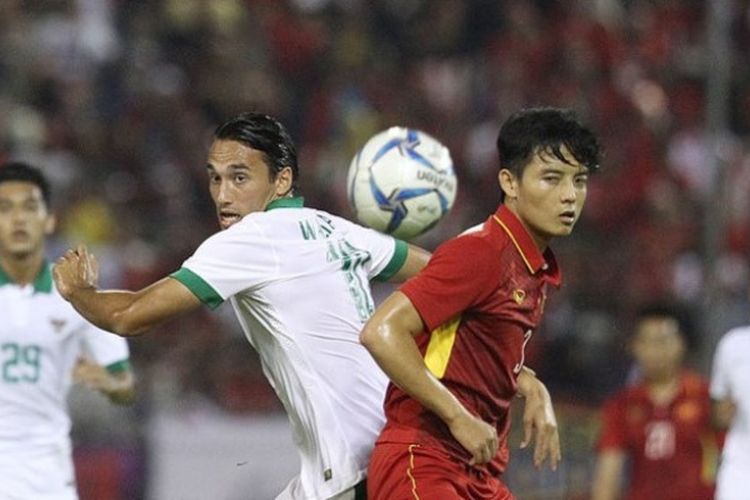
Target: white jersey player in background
{"type": "Point", "coordinates": [298, 280]}
{"type": "Point", "coordinates": [44, 344]}
{"type": "Point", "coordinates": [730, 392]}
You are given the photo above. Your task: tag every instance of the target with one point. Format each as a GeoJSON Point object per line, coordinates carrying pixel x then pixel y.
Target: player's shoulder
{"type": "Point", "coordinates": [275, 217]}
{"type": "Point", "coordinates": [694, 382]}
{"type": "Point", "coordinates": [277, 220]}
{"type": "Point", "coordinates": [330, 224]}
{"type": "Point", "coordinates": [470, 255]}
{"type": "Point", "coordinates": [739, 334]}
{"type": "Point", "coordinates": [280, 227]}
{"type": "Point", "coordinates": [336, 220]}
{"type": "Point", "coordinates": [631, 393]}
{"type": "Point", "coordinates": [735, 338]}
{"type": "Point", "coordinates": [479, 241]}
{"type": "Point", "coordinates": [257, 226]}
{"type": "Point", "coordinates": [622, 398]}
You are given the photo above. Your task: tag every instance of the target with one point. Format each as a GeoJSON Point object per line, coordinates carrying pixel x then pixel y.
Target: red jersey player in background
{"type": "Point", "coordinates": [661, 425]}
{"type": "Point", "coordinates": [452, 338]}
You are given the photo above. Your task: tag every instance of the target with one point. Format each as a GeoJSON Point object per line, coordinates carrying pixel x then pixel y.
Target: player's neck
{"type": "Point", "coordinates": [662, 390]}
{"type": "Point", "coordinates": [22, 269]}
{"type": "Point", "coordinates": [540, 241]}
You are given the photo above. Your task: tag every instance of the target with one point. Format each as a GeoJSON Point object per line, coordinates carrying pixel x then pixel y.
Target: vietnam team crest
{"type": "Point", "coordinates": [519, 296]}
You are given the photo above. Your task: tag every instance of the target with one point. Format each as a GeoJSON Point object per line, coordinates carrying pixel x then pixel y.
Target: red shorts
{"type": "Point", "coordinates": [401, 471]}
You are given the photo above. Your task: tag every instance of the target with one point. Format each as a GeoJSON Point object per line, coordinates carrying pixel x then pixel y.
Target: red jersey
{"type": "Point", "coordinates": [480, 298]}
{"type": "Point", "coordinates": [673, 450]}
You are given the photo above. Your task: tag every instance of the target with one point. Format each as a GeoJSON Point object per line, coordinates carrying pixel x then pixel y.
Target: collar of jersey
{"type": "Point", "coordinates": [524, 243]}
{"type": "Point", "coordinates": [294, 202]}
{"type": "Point", "coordinates": [42, 283]}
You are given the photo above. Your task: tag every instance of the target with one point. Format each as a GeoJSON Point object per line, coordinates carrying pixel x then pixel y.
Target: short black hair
{"type": "Point", "coordinates": [19, 171]}
{"type": "Point", "coordinates": [266, 134]}
{"type": "Point", "coordinates": [675, 311]}
{"type": "Point", "coordinates": [546, 129]}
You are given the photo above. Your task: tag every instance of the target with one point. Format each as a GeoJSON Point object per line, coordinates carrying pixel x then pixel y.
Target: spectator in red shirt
{"type": "Point", "coordinates": [452, 339]}
{"type": "Point", "coordinates": [661, 425]}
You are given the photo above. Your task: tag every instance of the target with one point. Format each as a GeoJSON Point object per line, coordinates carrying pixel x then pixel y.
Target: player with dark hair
{"type": "Point", "coordinates": [298, 280]}
{"type": "Point", "coordinates": [44, 347]}
{"type": "Point", "coordinates": [546, 130]}
{"type": "Point", "coordinates": [661, 425]}
{"type": "Point", "coordinates": [265, 134]}
{"type": "Point", "coordinates": [452, 339]}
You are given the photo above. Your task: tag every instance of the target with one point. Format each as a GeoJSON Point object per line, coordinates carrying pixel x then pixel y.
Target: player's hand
{"type": "Point", "coordinates": [478, 437]}
{"type": "Point", "coordinates": [119, 388]}
{"type": "Point", "coordinates": [75, 269]}
{"type": "Point", "coordinates": [539, 421]}
{"type": "Point", "coordinates": [92, 375]}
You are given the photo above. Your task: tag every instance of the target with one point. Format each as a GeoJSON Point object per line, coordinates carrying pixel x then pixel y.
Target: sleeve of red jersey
{"type": "Point", "coordinates": [612, 435]}
{"type": "Point", "coordinates": [460, 274]}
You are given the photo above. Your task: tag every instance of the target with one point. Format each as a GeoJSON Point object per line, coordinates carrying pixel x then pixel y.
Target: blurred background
{"type": "Point", "coordinates": [116, 101]}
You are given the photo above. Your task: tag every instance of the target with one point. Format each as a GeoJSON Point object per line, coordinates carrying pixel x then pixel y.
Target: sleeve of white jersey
{"type": "Point", "coordinates": [227, 263]}
{"type": "Point", "coordinates": [387, 254]}
{"type": "Point", "coordinates": [106, 349]}
{"type": "Point", "coordinates": [720, 386]}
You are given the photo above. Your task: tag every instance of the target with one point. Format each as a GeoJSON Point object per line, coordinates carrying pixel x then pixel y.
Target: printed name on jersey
{"type": "Point", "coordinates": [320, 227]}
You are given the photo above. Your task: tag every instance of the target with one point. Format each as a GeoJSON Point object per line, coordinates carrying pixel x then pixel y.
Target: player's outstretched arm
{"type": "Point", "coordinates": [610, 465]}
{"type": "Point", "coordinates": [389, 336]}
{"type": "Point", "coordinates": [122, 312]}
{"type": "Point", "coordinates": [416, 259]}
{"type": "Point", "coordinates": [118, 387]}
{"type": "Point", "coordinates": [539, 418]}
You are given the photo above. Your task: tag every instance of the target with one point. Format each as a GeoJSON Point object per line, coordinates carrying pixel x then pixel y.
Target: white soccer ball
{"type": "Point", "coordinates": [402, 182]}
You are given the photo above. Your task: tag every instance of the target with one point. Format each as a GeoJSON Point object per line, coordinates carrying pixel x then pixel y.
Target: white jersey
{"type": "Point", "coordinates": [41, 337]}
{"type": "Point", "coordinates": [298, 279]}
{"type": "Point", "coordinates": [731, 378]}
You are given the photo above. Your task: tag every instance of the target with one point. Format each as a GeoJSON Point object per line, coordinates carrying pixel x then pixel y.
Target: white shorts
{"type": "Point", "coordinates": [39, 475]}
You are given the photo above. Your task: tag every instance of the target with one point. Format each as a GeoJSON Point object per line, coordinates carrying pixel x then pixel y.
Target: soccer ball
{"type": "Point", "coordinates": [401, 182]}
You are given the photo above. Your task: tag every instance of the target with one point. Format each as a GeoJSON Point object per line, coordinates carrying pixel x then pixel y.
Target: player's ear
{"type": "Point", "coordinates": [283, 181]}
{"type": "Point", "coordinates": [508, 183]}
{"type": "Point", "coordinates": [49, 224]}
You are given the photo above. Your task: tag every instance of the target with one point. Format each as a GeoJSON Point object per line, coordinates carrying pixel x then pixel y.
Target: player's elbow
{"type": "Point", "coordinates": [390, 328]}
{"type": "Point", "coordinates": [125, 325]}
{"type": "Point", "coordinates": [367, 336]}
{"type": "Point", "coordinates": [122, 397]}
{"type": "Point", "coordinates": [373, 337]}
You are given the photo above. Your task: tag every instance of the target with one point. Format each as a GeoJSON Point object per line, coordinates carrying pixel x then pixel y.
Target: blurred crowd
{"type": "Point", "coordinates": [116, 101]}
